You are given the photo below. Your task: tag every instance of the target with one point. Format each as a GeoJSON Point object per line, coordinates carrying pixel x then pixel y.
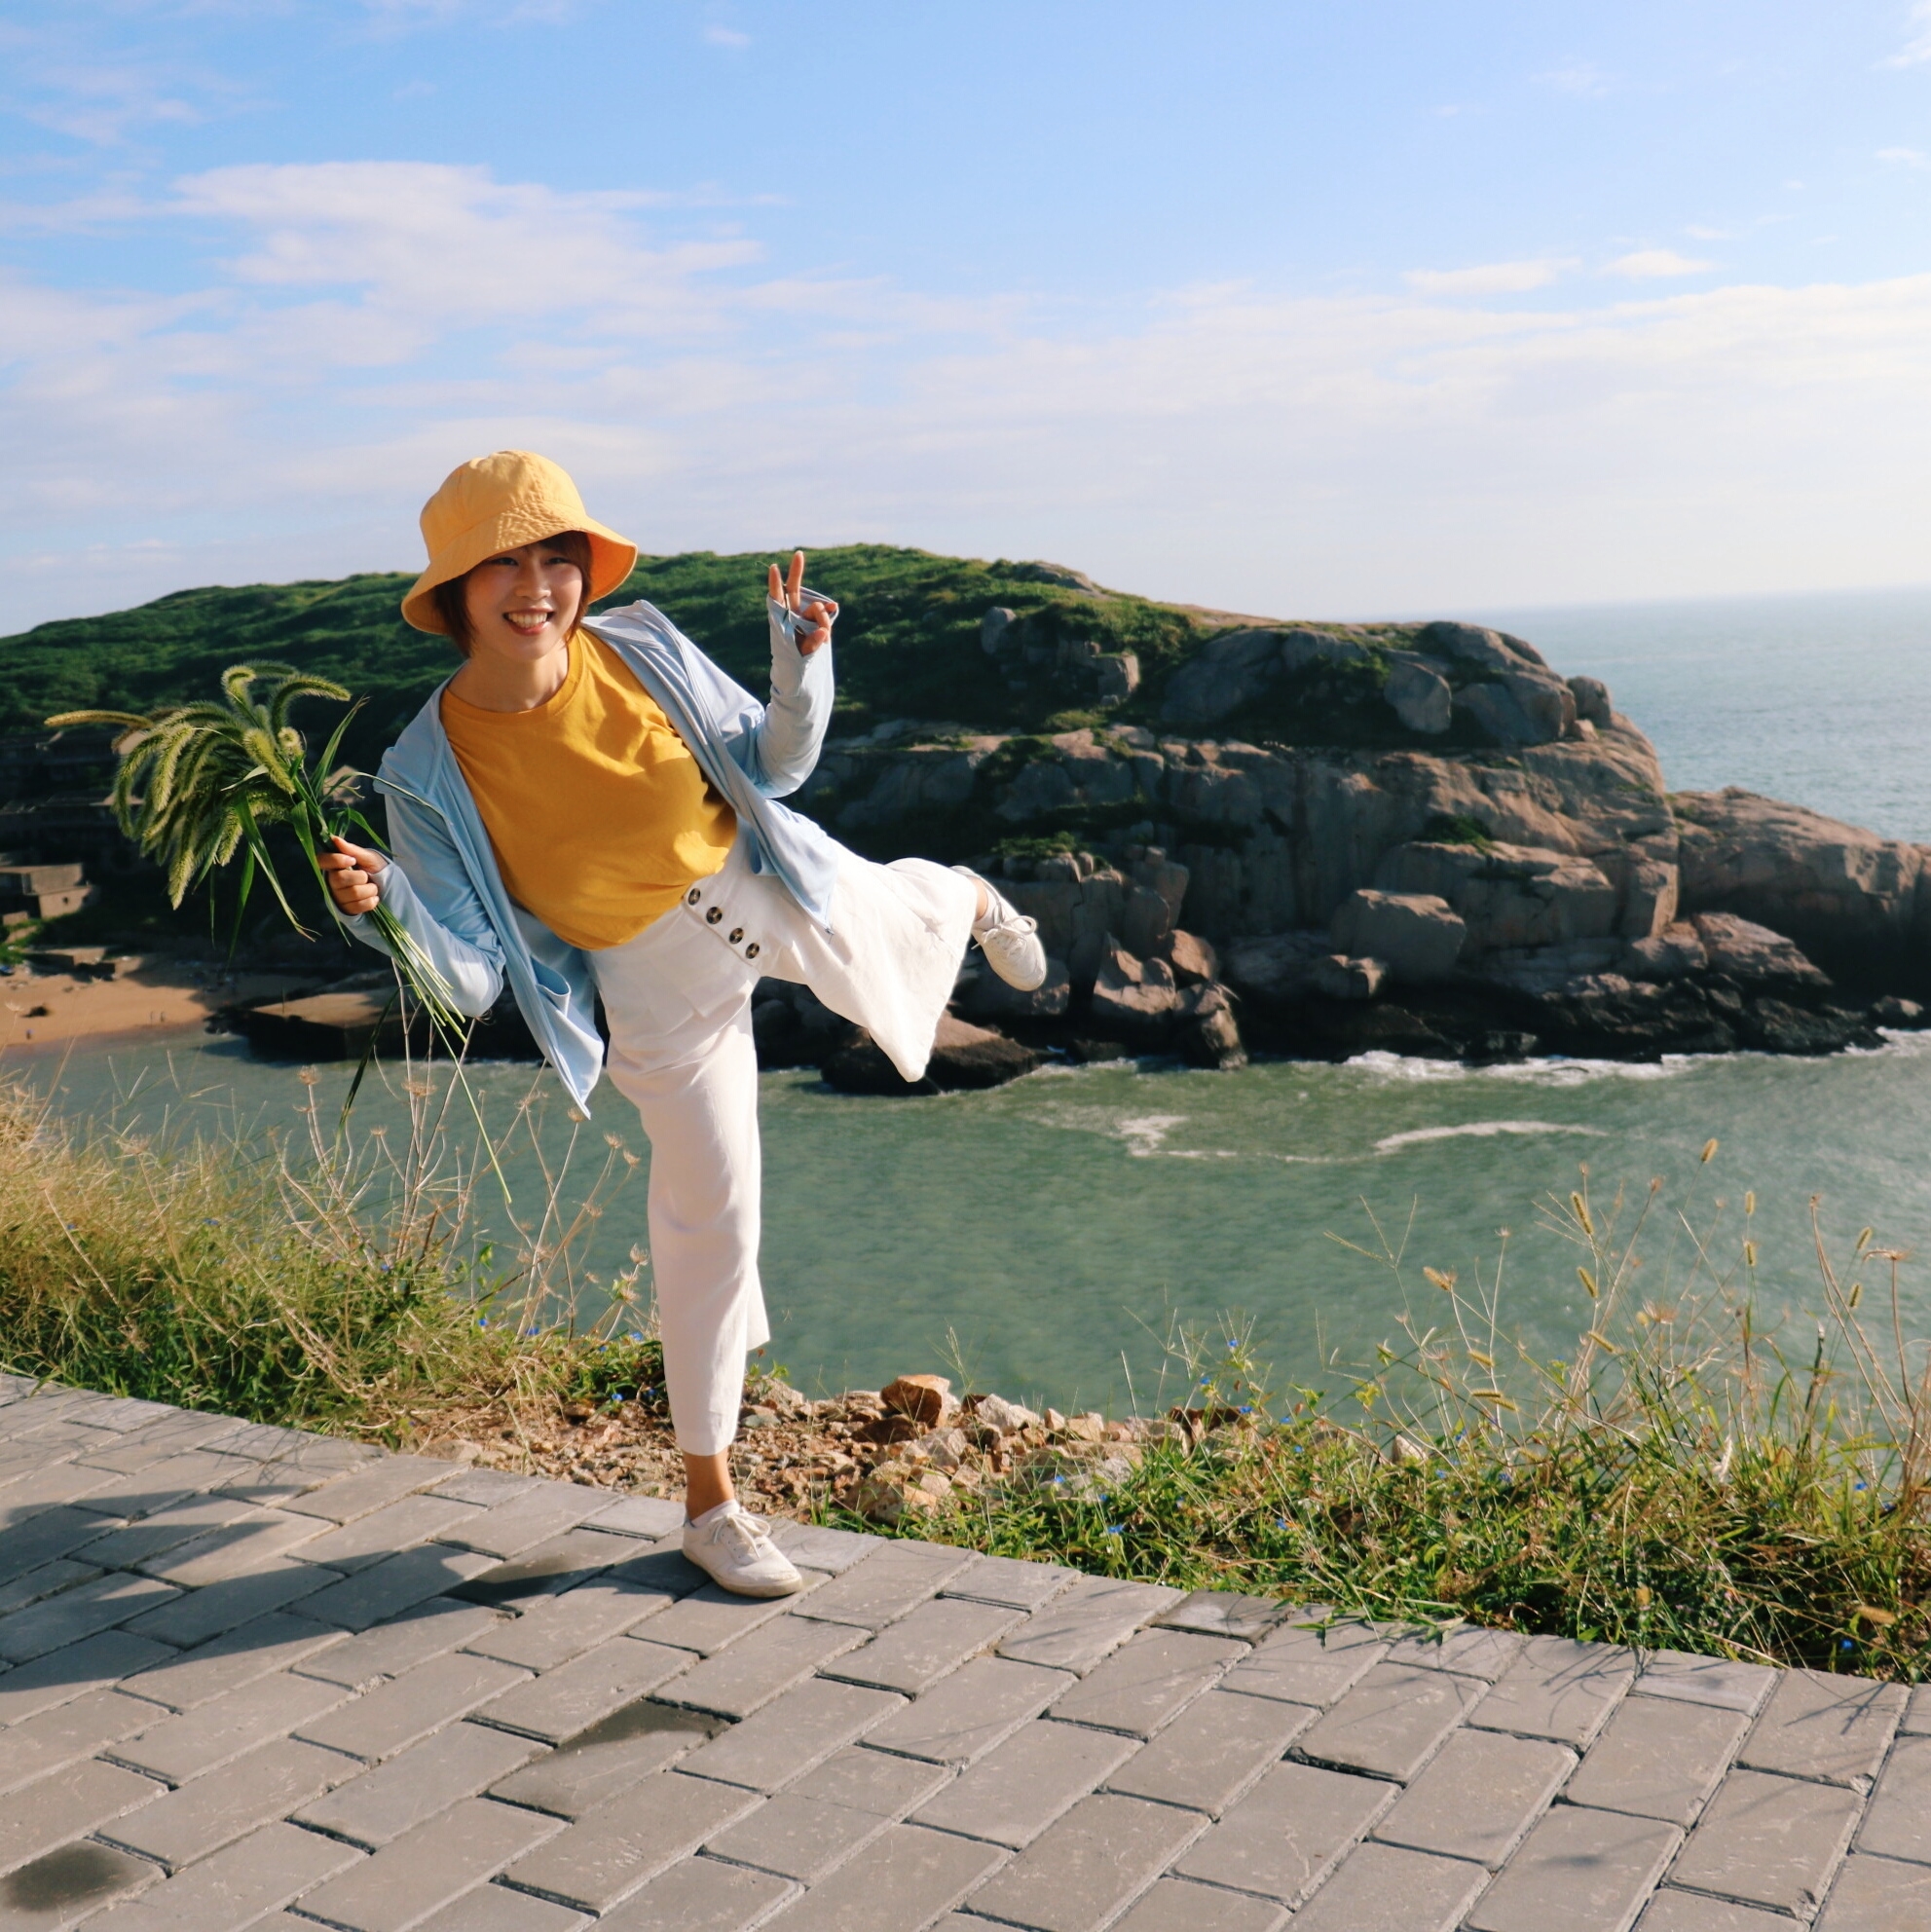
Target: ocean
{"type": "Point", "coordinates": [1077, 1235]}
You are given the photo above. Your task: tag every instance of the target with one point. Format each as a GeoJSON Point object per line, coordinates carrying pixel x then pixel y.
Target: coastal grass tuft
{"type": "Point", "coordinates": [1676, 1482]}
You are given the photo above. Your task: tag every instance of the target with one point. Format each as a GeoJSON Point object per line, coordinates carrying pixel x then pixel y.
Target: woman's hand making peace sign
{"type": "Point", "coordinates": [817, 615]}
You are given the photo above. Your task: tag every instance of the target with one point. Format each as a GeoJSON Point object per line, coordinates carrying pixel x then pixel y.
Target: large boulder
{"type": "Point", "coordinates": [1133, 999]}
{"type": "Point", "coordinates": [1859, 903]}
{"type": "Point", "coordinates": [963, 1058]}
{"type": "Point", "coordinates": [1491, 651]}
{"type": "Point", "coordinates": [1420, 696]}
{"type": "Point", "coordinates": [989, 997]}
{"type": "Point", "coordinates": [1753, 956]}
{"type": "Point", "coordinates": [1519, 707]}
{"type": "Point", "coordinates": [1274, 969]}
{"type": "Point", "coordinates": [1417, 936]}
{"type": "Point", "coordinates": [1226, 672]}
{"type": "Point", "coordinates": [1509, 895]}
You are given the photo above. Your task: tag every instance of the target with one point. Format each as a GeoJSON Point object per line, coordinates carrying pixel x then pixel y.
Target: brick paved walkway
{"type": "Point", "coordinates": [253, 1678]}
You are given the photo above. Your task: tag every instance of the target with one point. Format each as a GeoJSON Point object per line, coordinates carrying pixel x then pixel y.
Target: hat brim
{"type": "Point", "coordinates": [612, 558]}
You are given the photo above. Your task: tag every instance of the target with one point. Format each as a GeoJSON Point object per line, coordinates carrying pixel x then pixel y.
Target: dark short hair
{"type": "Point", "coordinates": [454, 611]}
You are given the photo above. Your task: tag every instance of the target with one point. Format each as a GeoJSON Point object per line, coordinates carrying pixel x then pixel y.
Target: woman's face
{"type": "Point", "coordinates": [521, 605]}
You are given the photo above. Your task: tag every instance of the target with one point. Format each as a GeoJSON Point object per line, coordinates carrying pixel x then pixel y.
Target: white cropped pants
{"type": "Point", "coordinates": [676, 999]}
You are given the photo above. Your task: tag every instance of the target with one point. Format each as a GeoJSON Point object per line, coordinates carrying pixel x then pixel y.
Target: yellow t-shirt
{"type": "Point", "coordinates": [600, 816]}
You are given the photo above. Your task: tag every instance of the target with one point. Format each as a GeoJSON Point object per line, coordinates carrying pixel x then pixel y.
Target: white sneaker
{"type": "Point", "coordinates": [1009, 940]}
{"type": "Point", "coordinates": [729, 1545]}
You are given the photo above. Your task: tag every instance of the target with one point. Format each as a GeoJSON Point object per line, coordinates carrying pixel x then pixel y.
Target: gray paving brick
{"type": "Point", "coordinates": [554, 1629]}
{"type": "Point", "coordinates": [383, 1533]}
{"type": "Point", "coordinates": [1558, 1690]}
{"type": "Point", "coordinates": [1012, 1794]}
{"type": "Point", "coordinates": [507, 1529]}
{"type": "Point", "coordinates": [1147, 1680]}
{"type": "Point", "coordinates": [760, 1666]}
{"type": "Point", "coordinates": [486, 1488]}
{"type": "Point", "coordinates": [787, 1738]}
{"type": "Point", "coordinates": [609, 1759]}
{"type": "Point", "coordinates": [1306, 1665]}
{"type": "Point", "coordinates": [1228, 1614]}
{"type": "Point", "coordinates": [166, 1529]}
{"type": "Point", "coordinates": [234, 1887]}
{"type": "Point", "coordinates": [963, 1716]}
{"type": "Point", "coordinates": [1390, 1722]}
{"type": "Point", "coordinates": [172, 1435]}
{"type": "Point", "coordinates": [904, 1878]}
{"type": "Point", "coordinates": [813, 1548]}
{"type": "Point", "coordinates": [1288, 1833]}
{"type": "Point", "coordinates": [48, 1581]}
{"type": "Point", "coordinates": [296, 1448]}
{"type": "Point", "coordinates": [1898, 1821]}
{"type": "Point", "coordinates": [707, 1619]}
{"type": "Point", "coordinates": [873, 1781]}
{"type": "Point", "coordinates": [1691, 1912]}
{"type": "Point", "coordinates": [701, 1895]}
{"type": "Point", "coordinates": [599, 1861]}
{"type": "Point", "coordinates": [167, 1484]}
{"type": "Point", "coordinates": [212, 1812]}
{"type": "Point", "coordinates": [1820, 1726]}
{"type": "Point", "coordinates": [397, 1714]}
{"type": "Point", "coordinates": [1659, 1758]}
{"type": "Point", "coordinates": [69, 1733]}
{"type": "Point", "coordinates": [663, 1566]}
{"type": "Point", "coordinates": [41, 1539]}
{"type": "Point", "coordinates": [926, 1645]}
{"type": "Point", "coordinates": [1174, 1904]}
{"type": "Point", "coordinates": [649, 1517]}
{"type": "Point", "coordinates": [225, 1663]}
{"type": "Point", "coordinates": [1007, 1581]}
{"type": "Point", "coordinates": [494, 1909]}
{"type": "Point", "coordinates": [373, 1808]}
{"type": "Point", "coordinates": [1769, 1840]}
{"type": "Point", "coordinates": [586, 1690]}
{"type": "Point", "coordinates": [552, 1567]}
{"type": "Point", "coordinates": [1384, 1888]}
{"type": "Point", "coordinates": [225, 1606]}
{"type": "Point", "coordinates": [196, 1742]}
{"type": "Point", "coordinates": [423, 1871]}
{"type": "Point", "coordinates": [798, 1838]}
{"type": "Point", "coordinates": [82, 1612]}
{"type": "Point", "coordinates": [1478, 1796]}
{"type": "Point", "coordinates": [61, 1887]}
{"type": "Point", "coordinates": [1581, 1870]}
{"type": "Point", "coordinates": [1734, 1687]}
{"type": "Point", "coordinates": [1468, 1651]}
{"type": "Point", "coordinates": [66, 1804]}
{"type": "Point", "coordinates": [1879, 1895]}
{"type": "Point", "coordinates": [1078, 1875]}
{"type": "Point", "coordinates": [233, 1549]}
{"type": "Point", "coordinates": [1917, 1713]}
{"type": "Point", "coordinates": [1213, 1750]}
{"type": "Point", "coordinates": [39, 1485]}
{"type": "Point", "coordinates": [424, 1630]}
{"type": "Point", "coordinates": [397, 1583]}
{"type": "Point", "coordinates": [895, 1578]}
{"type": "Point", "coordinates": [1085, 1622]}
{"type": "Point", "coordinates": [63, 1676]}
{"type": "Point", "coordinates": [374, 1486]}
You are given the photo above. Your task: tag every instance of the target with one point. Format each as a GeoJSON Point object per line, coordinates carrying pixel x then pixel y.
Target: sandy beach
{"type": "Point", "coordinates": [42, 1009]}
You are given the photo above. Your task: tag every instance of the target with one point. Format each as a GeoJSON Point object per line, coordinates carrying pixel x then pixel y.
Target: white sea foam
{"type": "Point", "coordinates": [1481, 1129]}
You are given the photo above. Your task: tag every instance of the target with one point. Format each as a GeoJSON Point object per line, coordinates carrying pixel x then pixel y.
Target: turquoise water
{"type": "Point", "coordinates": [1059, 1227]}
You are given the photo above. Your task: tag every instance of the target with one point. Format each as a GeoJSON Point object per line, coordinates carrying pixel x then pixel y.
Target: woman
{"type": "Point", "coordinates": [586, 808]}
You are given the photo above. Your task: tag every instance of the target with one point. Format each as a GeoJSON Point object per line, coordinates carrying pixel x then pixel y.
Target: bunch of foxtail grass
{"type": "Point", "coordinates": [199, 785]}
{"type": "Point", "coordinates": [1680, 1478]}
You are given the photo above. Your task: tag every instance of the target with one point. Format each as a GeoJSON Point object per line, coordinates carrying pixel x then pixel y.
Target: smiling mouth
{"type": "Point", "coordinates": [528, 622]}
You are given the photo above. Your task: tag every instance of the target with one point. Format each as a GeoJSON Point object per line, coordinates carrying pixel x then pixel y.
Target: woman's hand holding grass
{"type": "Point", "coordinates": [817, 613]}
{"type": "Point", "coordinates": [350, 874]}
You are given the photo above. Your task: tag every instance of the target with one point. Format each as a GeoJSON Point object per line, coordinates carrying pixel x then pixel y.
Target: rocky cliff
{"type": "Point", "coordinates": [1419, 837]}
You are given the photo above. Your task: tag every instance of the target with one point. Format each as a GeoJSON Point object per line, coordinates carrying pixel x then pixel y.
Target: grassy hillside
{"type": "Point", "coordinates": [907, 640]}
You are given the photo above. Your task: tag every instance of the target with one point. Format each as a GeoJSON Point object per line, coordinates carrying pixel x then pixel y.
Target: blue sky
{"type": "Point", "coordinates": [1290, 308]}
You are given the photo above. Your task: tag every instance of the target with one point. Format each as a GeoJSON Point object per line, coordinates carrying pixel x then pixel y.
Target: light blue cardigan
{"type": "Point", "coordinates": [444, 888]}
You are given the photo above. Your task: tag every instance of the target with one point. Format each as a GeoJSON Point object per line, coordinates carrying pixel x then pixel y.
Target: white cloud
{"type": "Point", "coordinates": [1653, 265]}
{"type": "Point", "coordinates": [1488, 278]}
{"type": "Point", "coordinates": [1579, 77]}
{"type": "Point", "coordinates": [1916, 49]}
{"type": "Point", "coordinates": [373, 324]}
{"type": "Point", "coordinates": [1904, 156]}
{"type": "Point", "coordinates": [719, 36]}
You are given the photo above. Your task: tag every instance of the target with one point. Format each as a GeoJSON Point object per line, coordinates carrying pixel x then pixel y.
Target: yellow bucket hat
{"type": "Point", "coordinates": [500, 503]}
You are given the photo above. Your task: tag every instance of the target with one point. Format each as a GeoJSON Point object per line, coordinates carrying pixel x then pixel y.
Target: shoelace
{"type": "Point", "coordinates": [743, 1532]}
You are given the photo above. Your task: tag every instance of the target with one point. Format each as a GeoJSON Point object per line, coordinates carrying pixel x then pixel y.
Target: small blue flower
{"type": "Point", "coordinates": [1059, 1482]}
{"type": "Point", "coordinates": [1859, 1485]}
{"type": "Point", "coordinates": [1116, 1529]}
{"type": "Point", "coordinates": [482, 1321]}
{"type": "Point", "coordinates": [1846, 1644]}
{"type": "Point", "coordinates": [1281, 1522]}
